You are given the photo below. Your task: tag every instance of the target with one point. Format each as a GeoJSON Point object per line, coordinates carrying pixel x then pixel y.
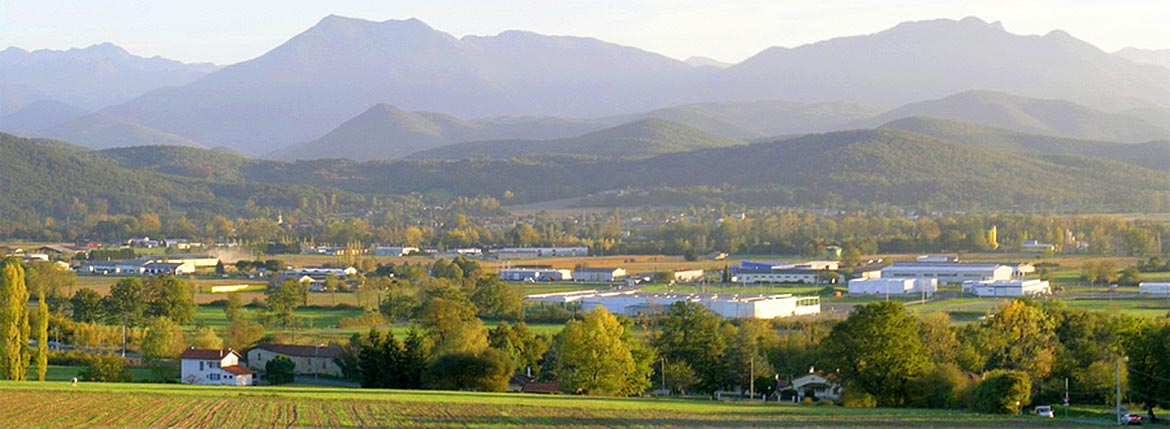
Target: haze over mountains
{"type": "Point", "coordinates": [352, 88]}
{"type": "Point", "coordinates": [88, 78]}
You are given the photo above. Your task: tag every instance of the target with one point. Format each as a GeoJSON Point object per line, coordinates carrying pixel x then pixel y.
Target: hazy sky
{"type": "Point", "coordinates": [228, 31]}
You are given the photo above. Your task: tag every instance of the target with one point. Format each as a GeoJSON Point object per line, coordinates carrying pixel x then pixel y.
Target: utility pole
{"type": "Point", "coordinates": [752, 381]}
{"type": "Point", "coordinates": [1119, 391]}
{"type": "Point", "coordinates": [1066, 397]}
{"type": "Point", "coordinates": [662, 364]}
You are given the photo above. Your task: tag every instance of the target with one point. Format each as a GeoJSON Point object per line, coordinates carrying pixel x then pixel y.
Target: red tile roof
{"type": "Point", "coordinates": [328, 352]}
{"type": "Point", "coordinates": [237, 370]}
{"type": "Point", "coordinates": [205, 354]}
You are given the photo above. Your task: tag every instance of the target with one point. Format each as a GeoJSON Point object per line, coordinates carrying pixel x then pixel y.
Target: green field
{"type": "Point", "coordinates": [57, 404]}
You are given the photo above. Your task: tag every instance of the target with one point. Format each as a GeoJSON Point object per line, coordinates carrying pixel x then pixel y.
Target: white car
{"type": "Point", "coordinates": [1045, 411]}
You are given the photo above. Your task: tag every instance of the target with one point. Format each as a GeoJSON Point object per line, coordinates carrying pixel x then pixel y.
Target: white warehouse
{"type": "Point", "coordinates": [1007, 288]}
{"type": "Point", "coordinates": [897, 286]}
{"type": "Point", "coordinates": [949, 273]}
{"type": "Point", "coordinates": [729, 306]}
{"type": "Point", "coordinates": [1154, 288]}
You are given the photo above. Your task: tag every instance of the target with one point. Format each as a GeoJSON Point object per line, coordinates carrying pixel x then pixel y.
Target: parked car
{"type": "Point", "coordinates": [1132, 419]}
{"type": "Point", "coordinates": [1045, 411]}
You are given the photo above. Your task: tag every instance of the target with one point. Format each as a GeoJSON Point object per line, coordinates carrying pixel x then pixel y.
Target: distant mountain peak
{"type": "Point", "coordinates": [698, 61]}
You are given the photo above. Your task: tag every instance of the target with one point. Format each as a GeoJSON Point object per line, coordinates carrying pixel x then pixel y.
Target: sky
{"type": "Point", "coordinates": [230, 31]}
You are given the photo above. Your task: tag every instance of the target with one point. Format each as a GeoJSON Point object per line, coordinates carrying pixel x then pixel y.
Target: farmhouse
{"type": "Point", "coordinates": [1007, 288]}
{"type": "Point", "coordinates": [601, 275]}
{"type": "Point", "coordinates": [817, 386]}
{"type": "Point", "coordinates": [214, 366]}
{"type": "Point", "coordinates": [532, 274]}
{"type": "Point", "coordinates": [948, 273]}
{"type": "Point", "coordinates": [632, 303]}
{"type": "Point", "coordinates": [307, 359]}
{"type": "Point", "coordinates": [1154, 288]}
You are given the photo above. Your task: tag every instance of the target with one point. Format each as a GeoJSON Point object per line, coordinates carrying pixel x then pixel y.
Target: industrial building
{"type": "Point", "coordinates": [600, 275]}
{"type": "Point", "coordinates": [895, 286]}
{"type": "Point", "coordinates": [948, 273]}
{"type": "Point", "coordinates": [535, 274]}
{"type": "Point", "coordinates": [540, 252]}
{"type": "Point", "coordinates": [632, 303]}
{"type": "Point", "coordinates": [1154, 288]}
{"type": "Point", "coordinates": [1007, 288]}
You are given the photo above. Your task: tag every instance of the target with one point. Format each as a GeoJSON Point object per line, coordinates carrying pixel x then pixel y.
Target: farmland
{"type": "Point", "coordinates": [142, 405]}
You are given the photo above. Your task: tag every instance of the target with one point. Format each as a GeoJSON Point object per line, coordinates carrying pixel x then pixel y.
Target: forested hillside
{"type": "Point", "coordinates": [637, 139]}
{"type": "Point", "coordinates": [45, 184]}
{"type": "Point", "coordinates": [1154, 155]}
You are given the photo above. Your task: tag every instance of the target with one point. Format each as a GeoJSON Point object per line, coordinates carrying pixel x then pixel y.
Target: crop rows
{"type": "Point", "coordinates": [127, 409]}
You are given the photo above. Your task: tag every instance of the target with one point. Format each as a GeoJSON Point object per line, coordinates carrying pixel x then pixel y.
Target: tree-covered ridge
{"type": "Point", "coordinates": [642, 138]}
{"type": "Point", "coordinates": [1154, 155]}
{"type": "Point", "coordinates": [45, 184]}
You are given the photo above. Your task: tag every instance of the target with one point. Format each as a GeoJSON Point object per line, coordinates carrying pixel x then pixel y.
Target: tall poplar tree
{"type": "Point", "coordinates": [42, 336]}
{"type": "Point", "coordinates": [14, 329]}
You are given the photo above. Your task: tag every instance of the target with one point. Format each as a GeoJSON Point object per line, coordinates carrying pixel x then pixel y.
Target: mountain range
{"type": "Point", "coordinates": [89, 78]}
{"type": "Point", "coordinates": [331, 74]}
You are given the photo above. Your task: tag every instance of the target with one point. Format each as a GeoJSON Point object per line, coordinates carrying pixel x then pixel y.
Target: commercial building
{"type": "Point", "coordinates": [602, 275]}
{"type": "Point", "coordinates": [948, 273]}
{"type": "Point", "coordinates": [894, 286]}
{"type": "Point", "coordinates": [394, 251]}
{"type": "Point", "coordinates": [534, 274]}
{"type": "Point", "coordinates": [1154, 288]}
{"type": "Point", "coordinates": [1007, 288]}
{"type": "Point", "coordinates": [791, 275]}
{"type": "Point", "coordinates": [632, 303]}
{"type": "Point", "coordinates": [687, 275]}
{"type": "Point", "coordinates": [540, 252]}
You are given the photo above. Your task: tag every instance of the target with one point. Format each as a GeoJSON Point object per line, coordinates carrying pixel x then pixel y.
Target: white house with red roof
{"type": "Point", "coordinates": [214, 366]}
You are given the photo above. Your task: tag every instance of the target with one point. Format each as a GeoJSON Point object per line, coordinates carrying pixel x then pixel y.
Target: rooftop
{"type": "Point", "coordinates": [206, 354]}
{"type": "Point", "coordinates": [303, 350]}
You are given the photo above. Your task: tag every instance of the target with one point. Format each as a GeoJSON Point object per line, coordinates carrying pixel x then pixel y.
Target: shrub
{"type": "Point", "coordinates": [855, 399]}
{"type": "Point", "coordinates": [825, 402]}
{"type": "Point", "coordinates": [279, 370]}
{"type": "Point", "coordinates": [1003, 392]}
{"type": "Point", "coordinates": [106, 368]}
{"type": "Point", "coordinates": [808, 400]}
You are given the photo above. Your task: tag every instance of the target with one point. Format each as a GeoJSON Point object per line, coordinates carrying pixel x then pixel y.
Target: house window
{"type": "Point", "coordinates": [201, 365]}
